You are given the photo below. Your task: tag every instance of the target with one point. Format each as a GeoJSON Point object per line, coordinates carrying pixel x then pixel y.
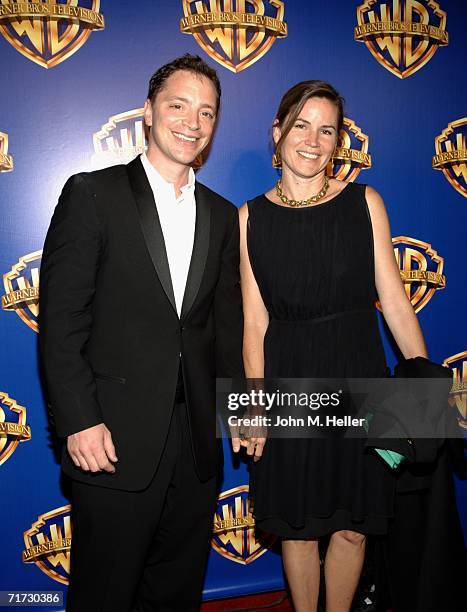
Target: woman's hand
{"type": "Point", "coordinates": [251, 437]}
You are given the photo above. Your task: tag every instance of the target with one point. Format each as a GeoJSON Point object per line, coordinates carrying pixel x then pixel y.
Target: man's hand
{"type": "Point", "coordinates": [92, 449]}
{"type": "Point", "coordinates": [249, 437]}
{"type": "Point", "coordinates": [237, 440]}
{"type": "Point", "coordinates": [254, 447]}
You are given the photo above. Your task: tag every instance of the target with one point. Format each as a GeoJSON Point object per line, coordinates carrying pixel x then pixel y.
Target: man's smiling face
{"type": "Point", "coordinates": [181, 119]}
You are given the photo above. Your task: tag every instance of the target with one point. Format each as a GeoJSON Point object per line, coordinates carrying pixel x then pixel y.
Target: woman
{"type": "Point", "coordinates": [314, 252]}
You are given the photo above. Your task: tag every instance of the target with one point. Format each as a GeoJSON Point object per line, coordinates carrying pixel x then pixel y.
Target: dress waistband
{"type": "Point", "coordinates": [314, 320]}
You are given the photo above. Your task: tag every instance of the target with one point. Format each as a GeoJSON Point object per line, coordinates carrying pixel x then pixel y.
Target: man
{"type": "Point", "coordinates": [140, 311]}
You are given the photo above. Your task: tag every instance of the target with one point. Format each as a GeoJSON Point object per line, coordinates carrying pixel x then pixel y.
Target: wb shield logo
{"type": "Point", "coordinates": [458, 395]}
{"type": "Point", "coordinates": [48, 543]}
{"type": "Point", "coordinates": [451, 154]}
{"type": "Point", "coordinates": [403, 35]}
{"type": "Point", "coordinates": [421, 269]}
{"type": "Point", "coordinates": [6, 161]}
{"type": "Point", "coordinates": [235, 33]}
{"type": "Point", "coordinates": [351, 154]}
{"type": "Point", "coordinates": [49, 31]}
{"type": "Point", "coordinates": [13, 428]}
{"type": "Point", "coordinates": [234, 528]}
{"type": "Point", "coordinates": [22, 289]}
{"type": "Point", "coordinates": [120, 139]}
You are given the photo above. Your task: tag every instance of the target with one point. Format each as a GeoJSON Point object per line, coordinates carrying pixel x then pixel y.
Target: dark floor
{"type": "Point", "coordinates": [276, 601]}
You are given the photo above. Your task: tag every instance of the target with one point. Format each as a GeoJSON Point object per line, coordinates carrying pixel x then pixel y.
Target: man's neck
{"type": "Point", "coordinates": [177, 174]}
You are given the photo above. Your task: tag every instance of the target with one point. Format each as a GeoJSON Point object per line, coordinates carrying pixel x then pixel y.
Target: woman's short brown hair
{"type": "Point", "coordinates": [294, 100]}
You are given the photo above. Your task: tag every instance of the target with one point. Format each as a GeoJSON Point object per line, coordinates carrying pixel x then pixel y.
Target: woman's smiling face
{"type": "Point", "coordinates": [310, 143]}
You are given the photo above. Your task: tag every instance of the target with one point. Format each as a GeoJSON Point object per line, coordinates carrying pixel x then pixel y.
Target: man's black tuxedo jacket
{"type": "Point", "coordinates": [110, 335]}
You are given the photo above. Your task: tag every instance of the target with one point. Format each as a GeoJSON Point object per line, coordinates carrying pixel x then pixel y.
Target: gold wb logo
{"type": "Point", "coordinates": [48, 543]}
{"type": "Point", "coordinates": [235, 33]}
{"type": "Point", "coordinates": [234, 528]}
{"type": "Point", "coordinates": [6, 161]}
{"type": "Point", "coordinates": [405, 38]}
{"type": "Point", "coordinates": [48, 32]}
{"type": "Point", "coordinates": [22, 289]}
{"type": "Point", "coordinates": [13, 427]}
{"type": "Point", "coordinates": [451, 154]}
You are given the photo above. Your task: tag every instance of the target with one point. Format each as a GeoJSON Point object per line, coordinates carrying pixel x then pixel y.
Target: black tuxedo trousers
{"type": "Point", "coordinates": [146, 550]}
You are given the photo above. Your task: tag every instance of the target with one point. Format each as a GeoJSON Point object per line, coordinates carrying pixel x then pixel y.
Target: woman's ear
{"type": "Point", "coordinates": [276, 131]}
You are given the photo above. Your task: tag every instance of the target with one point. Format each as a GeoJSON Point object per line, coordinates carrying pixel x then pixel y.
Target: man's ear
{"type": "Point", "coordinates": [148, 113]}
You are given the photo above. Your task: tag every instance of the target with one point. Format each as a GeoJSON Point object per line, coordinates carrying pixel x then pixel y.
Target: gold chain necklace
{"type": "Point", "coordinates": [298, 203]}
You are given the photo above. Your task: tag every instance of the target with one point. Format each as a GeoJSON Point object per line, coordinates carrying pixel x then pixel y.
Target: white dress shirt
{"type": "Point", "coordinates": [177, 217]}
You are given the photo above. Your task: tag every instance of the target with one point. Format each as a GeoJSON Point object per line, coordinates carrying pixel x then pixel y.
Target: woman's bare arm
{"type": "Point", "coordinates": [397, 309]}
{"type": "Point", "coordinates": [256, 321]}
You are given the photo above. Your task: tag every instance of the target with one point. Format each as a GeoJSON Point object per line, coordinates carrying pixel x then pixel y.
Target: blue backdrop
{"type": "Point", "coordinates": [52, 119]}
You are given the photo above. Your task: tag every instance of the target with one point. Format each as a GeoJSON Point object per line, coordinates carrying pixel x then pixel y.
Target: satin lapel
{"type": "Point", "coordinates": [200, 250]}
{"type": "Point", "coordinates": [150, 224]}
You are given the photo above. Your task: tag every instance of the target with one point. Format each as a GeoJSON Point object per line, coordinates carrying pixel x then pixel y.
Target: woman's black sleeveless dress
{"type": "Point", "coordinates": [315, 270]}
